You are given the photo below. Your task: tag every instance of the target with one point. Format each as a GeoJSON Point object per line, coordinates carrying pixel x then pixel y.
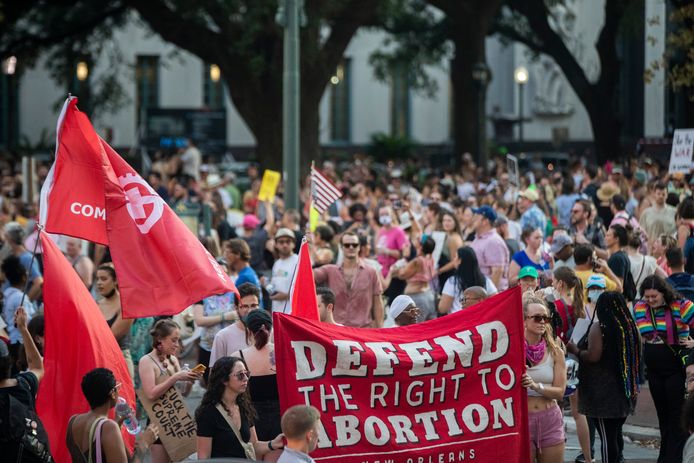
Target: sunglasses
{"type": "Point", "coordinates": [116, 388]}
{"type": "Point", "coordinates": [540, 318]}
{"type": "Point", "coordinates": [241, 375]}
{"type": "Point", "coordinates": [350, 245]}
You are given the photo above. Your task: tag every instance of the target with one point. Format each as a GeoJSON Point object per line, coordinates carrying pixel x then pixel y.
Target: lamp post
{"type": "Point", "coordinates": [481, 75]}
{"type": "Point", "coordinates": [9, 113]}
{"type": "Point", "coordinates": [521, 78]}
{"type": "Point", "coordinates": [290, 16]}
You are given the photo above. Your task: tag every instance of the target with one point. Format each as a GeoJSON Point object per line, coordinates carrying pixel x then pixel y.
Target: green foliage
{"type": "Point", "coordinates": [680, 50]}
{"type": "Point", "coordinates": [385, 147]}
{"type": "Point", "coordinates": [417, 39]}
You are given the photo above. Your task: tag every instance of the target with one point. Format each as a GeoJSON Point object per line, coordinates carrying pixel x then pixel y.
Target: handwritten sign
{"type": "Point", "coordinates": [268, 187]}
{"type": "Point", "coordinates": [681, 154]}
{"type": "Point", "coordinates": [177, 429]}
{"type": "Point", "coordinates": [512, 168]}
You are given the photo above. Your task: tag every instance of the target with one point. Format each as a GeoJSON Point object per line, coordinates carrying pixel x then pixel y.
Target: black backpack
{"type": "Point", "coordinates": [629, 289]}
{"type": "Point", "coordinates": [21, 431]}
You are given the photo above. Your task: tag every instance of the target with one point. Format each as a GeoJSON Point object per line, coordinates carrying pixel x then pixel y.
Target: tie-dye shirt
{"type": "Point", "coordinates": [682, 312]}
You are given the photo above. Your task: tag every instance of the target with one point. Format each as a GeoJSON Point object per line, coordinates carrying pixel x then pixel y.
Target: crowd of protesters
{"type": "Point", "coordinates": [609, 248]}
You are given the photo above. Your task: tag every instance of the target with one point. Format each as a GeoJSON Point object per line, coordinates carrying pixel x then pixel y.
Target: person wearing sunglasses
{"type": "Point", "coordinates": [545, 380]}
{"type": "Point", "coordinates": [226, 417]}
{"type": "Point", "coordinates": [100, 388]}
{"type": "Point", "coordinates": [404, 311]}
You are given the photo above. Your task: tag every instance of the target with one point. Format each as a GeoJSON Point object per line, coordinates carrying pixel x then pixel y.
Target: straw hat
{"type": "Point", "coordinates": [607, 191]}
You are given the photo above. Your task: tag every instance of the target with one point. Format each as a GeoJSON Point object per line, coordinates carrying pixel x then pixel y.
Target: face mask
{"type": "Point", "coordinates": [594, 294]}
{"type": "Point", "coordinates": [385, 219]}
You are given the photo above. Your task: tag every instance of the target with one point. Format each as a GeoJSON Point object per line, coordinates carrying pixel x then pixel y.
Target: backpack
{"type": "Point", "coordinates": [629, 289]}
{"type": "Point", "coordinates": [21, 429]}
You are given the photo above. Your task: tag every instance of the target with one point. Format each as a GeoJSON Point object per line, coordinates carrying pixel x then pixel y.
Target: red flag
{"type": "Point", "coordinates": [72, 197]}
{"type": "Point", "coordinates": [162, 267]}
{"type": "Point", "coordinates": [87, 344]}
{"type": "Point", "coordinates": [304, 302]}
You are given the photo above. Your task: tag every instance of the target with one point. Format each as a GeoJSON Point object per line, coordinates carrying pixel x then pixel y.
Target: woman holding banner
{"type": "Point", "coordinates": [226, 417]}
{"type": "Point", "coordinates": [159, 371]}
{"type": "Point", "coordinates": [545, 380]}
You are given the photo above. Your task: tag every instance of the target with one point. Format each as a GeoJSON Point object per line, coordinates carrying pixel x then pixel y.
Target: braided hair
{"type": "Point", "coordinates": [622, 344]}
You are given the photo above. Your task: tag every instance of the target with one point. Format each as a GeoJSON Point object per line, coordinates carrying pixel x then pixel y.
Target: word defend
{"type": "Point", "coordinates": [177, 429]}
{"type": "Point", "coordinates": [446, 390]}
{"type": "Point", "coordinates": [682, 149]}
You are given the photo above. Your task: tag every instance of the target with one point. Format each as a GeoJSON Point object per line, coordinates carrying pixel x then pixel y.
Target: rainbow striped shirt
{"type": "Point", "coordinates": [682, 311]}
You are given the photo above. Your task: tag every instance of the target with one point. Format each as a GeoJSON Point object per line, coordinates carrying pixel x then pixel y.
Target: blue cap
{"type": "Point", "coordinates": [487, 212]}
{"type": "Point", "coordinates": [596, 281]}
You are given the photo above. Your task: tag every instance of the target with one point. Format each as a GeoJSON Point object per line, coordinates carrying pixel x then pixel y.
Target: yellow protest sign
{"type": "Point", "coordinates": [268, 188]}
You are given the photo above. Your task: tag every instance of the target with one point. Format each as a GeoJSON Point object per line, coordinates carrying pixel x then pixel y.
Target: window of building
{"type": "Point", "coordinates": [340, 110]}
{"type": "Point", "coordinates": [147, 81]}
{"type": "Point", "coordinates": [213, 91]}
{"type": "Point", "coordinates": [400, 102]}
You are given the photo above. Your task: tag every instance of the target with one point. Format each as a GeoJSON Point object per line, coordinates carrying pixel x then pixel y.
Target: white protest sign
{"type": "Point", "coordinates": [512, 168]}
{"type": "Point", "coordinates": [681, 154]}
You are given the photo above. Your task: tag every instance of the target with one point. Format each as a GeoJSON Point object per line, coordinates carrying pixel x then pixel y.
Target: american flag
{"type": "Point", "coordinates": [323, 192]}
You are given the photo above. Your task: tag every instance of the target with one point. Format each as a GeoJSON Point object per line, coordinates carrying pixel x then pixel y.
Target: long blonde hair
{"type": "Point", "coordinates": [548, 335]}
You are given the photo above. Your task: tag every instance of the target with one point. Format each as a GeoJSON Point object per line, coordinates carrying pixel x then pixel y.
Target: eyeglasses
{"type": "Point", "coordinates": [350, 245]}
{"type": "Point", "coordinates": [283, 241]}
{"type": "Point", "coordinates": [241, 375]}
{"type": "Point", "coordinates": [249, 306]}
{"type": "Point", "coordinates": [464, 299]}
{"type": "Point", "coordinates": [116, 388]}
{"type": "Point", "coordinates": [540, 318]}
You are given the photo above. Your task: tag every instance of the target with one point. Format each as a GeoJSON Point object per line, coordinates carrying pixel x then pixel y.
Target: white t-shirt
{"type": "Point", "coordinates": [192, 159]}
{"type": "Point", "coordinates": [451, 289]}
{"type": "Point", "coordinates": [641, 267]}
{"type": "Point", "coordinates": [282, 272]}
{"type": "Point", "coordinates": [227, 341]}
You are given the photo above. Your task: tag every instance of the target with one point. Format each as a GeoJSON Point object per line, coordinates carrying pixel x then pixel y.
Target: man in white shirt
{"type": "Point", "coordinates": [192, 160]}
{"type": "Point", "coordinates": [233, 338]}
{"type": "Point", "coordinates": [283, 270]}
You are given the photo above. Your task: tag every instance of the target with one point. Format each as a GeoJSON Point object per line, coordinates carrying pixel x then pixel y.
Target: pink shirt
{"type": "Point", "coordinates": [393, 239]}
{"type": "Point", "coordinates": [491, 251]}
{"type": "Point", "coordinates": [352, 305]}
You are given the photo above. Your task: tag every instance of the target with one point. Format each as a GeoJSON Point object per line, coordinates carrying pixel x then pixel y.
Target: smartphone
{"type": "Point", "coordinates": [199, 368]}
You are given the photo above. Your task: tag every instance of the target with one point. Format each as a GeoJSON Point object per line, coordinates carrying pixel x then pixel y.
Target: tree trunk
{"type": "Point", "coordinates": [469, 50]}
{"type": "Point", "coordinates": [606, 127]}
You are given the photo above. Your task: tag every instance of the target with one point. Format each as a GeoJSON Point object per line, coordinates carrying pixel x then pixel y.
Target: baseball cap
{"type": "Point", "coordinates": [528, 271]}
{"type": "Point", "coordinates": [559, 242]}
{"type": "Point", "coordinates": [487, 212]}
{"type": "Point", "coordinates": [285, 233]}
{"type": "Point", "coordinates": [399, 305]}
{"type": "Point", "coordinates": [250, 221]}
{"type": "Point", "coordinates": [530, 194]}
{"type": "Point", "coordinates": [596, 281]}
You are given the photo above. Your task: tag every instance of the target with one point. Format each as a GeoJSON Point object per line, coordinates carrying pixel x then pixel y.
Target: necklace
{"type": "Point", "coordinates": [164, 363]}
{"type": "Point", "coordinates": [228, 410]}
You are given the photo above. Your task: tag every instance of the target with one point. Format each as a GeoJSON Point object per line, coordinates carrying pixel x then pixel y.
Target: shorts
{"type": "Point", "coordinates": [546, 428]}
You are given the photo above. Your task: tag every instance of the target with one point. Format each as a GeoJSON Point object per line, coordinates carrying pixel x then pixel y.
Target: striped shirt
{"type": "Point", "coordinates": [682, 312]}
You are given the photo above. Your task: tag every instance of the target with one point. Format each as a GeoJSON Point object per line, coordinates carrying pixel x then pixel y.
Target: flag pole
{"type": "Point", "coordinates": [39, 228]}
{"type": "Point", "coordinates": [291, 283]}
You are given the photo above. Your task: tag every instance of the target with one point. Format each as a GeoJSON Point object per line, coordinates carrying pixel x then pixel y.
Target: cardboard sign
{"type": "Point", "coordinates": [512, 168]}
{"type": "Point", "coordinates": [268, 188]}
{"type": "Point", "coordinates": [681, 154]}
{"type": "Point", "coordinates": [446, 390]}
{"type": "Point", "coordinates": [177, 429]}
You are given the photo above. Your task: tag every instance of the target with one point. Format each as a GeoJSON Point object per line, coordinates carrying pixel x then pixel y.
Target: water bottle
{"type": "Point", "coordinates": [185, 367]}
{"type": "Point", "coordinates": [123, 410]}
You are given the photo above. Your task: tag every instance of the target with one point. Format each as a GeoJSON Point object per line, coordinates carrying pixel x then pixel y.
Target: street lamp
{"type": "Point", "coordinates": [521, 78]}
{"type": "Point", "coordinates": [9, 66]}
{"type": "Point", "coordinates": [82, 71]}
{"type": "Point", "coordinates": [215, 73]}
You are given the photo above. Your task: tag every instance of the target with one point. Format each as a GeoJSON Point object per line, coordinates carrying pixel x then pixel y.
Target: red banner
{"type": "Point", "coordinates": [443, 391]}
